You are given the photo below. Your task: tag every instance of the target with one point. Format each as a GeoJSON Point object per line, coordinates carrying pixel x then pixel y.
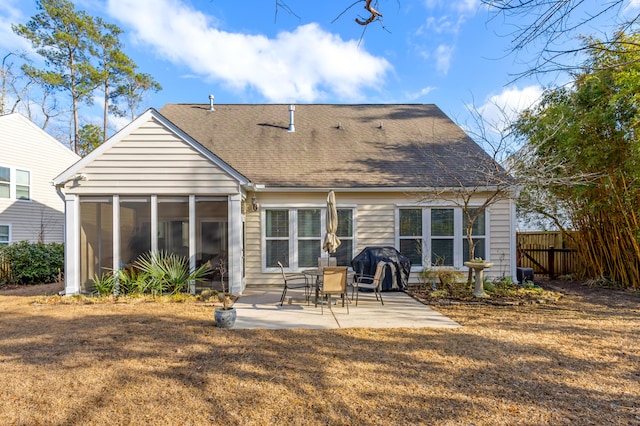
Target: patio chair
{"type": "Point", "coordinates": [334, 282]}
{"type": "Point", "coordinates": [293, 281]}
{"type": "Point", "coordinates": [369, 282]}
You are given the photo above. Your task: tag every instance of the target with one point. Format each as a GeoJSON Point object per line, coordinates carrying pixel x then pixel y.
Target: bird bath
{"type": "Point", "coordinates": [478, 269]}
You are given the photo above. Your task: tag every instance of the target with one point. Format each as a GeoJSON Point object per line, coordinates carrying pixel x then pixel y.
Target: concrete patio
{"type": "Point", "coordinates": [259, 307]}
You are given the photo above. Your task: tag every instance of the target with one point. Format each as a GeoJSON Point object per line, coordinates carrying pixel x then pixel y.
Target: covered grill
{"type": "Point", "coordinates": [397, 269]}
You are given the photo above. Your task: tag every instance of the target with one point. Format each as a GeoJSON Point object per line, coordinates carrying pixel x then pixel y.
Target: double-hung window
{"type": "Point", "coordinates": [345, 234]}
{"type": "Point", "coordinates": [276, 230]}
{"type": "Point", "coordinates": [436, 236]}
{"type": "Point", "coordinates": [478, 233]}
{"type": "Point", "coordinates": [19, 188]}
{"type": "Point", "coordinates": [23, 185]}
{"type": "Point", "coordinates": [5, 182]}
{"type": "Point", "coordinates": [5, 235]}
{"type": "Point", "coordinates": [294, 237]}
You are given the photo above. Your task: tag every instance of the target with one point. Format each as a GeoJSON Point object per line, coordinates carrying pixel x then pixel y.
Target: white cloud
{"type": "Point", "coordinates": [9, 41]}
{"type": "Point", "coordinates": [443, 56]}
{"type": "Point", "coordinates": [420, 93]}
{"type": "Point", "coordinates": [281, 69]}
{"type": "Point", "coordinates": [633, 4]}
{"type": "Point", "coordinates": [504, 107]}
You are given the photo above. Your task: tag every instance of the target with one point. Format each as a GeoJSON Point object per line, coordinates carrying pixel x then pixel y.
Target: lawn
{"type": "Point", "coordinates": [576, 361]}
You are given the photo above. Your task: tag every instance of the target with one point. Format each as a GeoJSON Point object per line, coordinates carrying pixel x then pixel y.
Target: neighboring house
{"type": "Point", "coordinates": [248, 184]}
{"type": "Point", "coordinates": [30, 207]}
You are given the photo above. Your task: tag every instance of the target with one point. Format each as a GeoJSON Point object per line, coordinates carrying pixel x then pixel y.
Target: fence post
{"type": "Point", "coordinates": [551, 262]}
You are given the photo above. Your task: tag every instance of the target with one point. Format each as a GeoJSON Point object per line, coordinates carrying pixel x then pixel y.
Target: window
{"type": "Point", "coordinates": [478, 233]}
{"type": "Point", "coordinates": [20, 189]}
{"type": "Point", "coordinates": [309, 237]}
{"type": "Point", "coordinates": [277, 237]}
{"type": "Point", "coordinates": [442, 237]}
{"type": "Point", "coordinates": [23, 184]}
{"type": "Point", "coordinates": [294, 237]}
{"type": "Point", "coordinates": [437, 235]}
{"type": "Point", "coordinates": [411, 234]}
{"type": "Point", "coordinates": [5, 182]}
{"type": "Point", "coordinates": [4, 235]}
{"type": "Point", "coordinates": [344, 254]}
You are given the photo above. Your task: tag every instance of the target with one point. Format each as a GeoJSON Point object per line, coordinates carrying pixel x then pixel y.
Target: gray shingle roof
{"type": "Point", "coordinates": [336, 146]}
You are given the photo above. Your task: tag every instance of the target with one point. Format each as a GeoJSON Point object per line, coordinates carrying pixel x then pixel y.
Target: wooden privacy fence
{"type": "Point", "coordinates": [5, 271]}
{"type": "Point", "coordinates": [547, 253]}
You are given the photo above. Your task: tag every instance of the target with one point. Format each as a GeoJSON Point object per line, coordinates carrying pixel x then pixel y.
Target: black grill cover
{"type": "Point", "coordinates": [367, 260]}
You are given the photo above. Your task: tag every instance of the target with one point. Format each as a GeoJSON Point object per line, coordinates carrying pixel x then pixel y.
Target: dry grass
{"type": "Point", "coordinates": [574, 362]}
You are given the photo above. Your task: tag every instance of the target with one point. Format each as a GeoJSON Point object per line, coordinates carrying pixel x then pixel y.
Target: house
{"type": "Point", "coordinates": [30, 207]}
{"type": "Point", "coordinates": [248, 184]}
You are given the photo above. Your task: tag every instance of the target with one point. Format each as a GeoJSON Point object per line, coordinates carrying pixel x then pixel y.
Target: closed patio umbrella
{"type": "Point", "coordinates": [331, 241]}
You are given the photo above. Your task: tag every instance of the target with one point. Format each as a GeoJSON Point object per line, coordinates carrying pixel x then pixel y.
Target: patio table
{"type": "Point", "coordinates": [316, 275]}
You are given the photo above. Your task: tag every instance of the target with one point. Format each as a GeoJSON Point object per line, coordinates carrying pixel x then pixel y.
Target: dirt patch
{"type": "Point", "coordinates": [573, 362]}
{"type": "Point", "coordinates": [31, 290]}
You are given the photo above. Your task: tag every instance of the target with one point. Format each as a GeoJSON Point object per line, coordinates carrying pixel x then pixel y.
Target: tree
{"type": "Point", "coordinates": [131, 91]}
{"type": "Point", "coordinates": [90, 137]}
{"type": "Point", "coordinates": [592, 130]}
{"type": "Point", "coordinates": [61, 35]}
{"type": "Point", "coordinates": [488, 182]}
{"type": "Point", "coordinates": [553, 26]}
{"type": "Point", "coordinates": [114, 66]}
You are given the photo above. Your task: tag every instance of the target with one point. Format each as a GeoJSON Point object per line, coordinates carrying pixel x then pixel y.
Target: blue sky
{"type": "Point", "coordinates": [447, 52]}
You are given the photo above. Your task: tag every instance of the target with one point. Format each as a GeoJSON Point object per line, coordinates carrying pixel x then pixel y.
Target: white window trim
{"type": "Point", "coordinates": [15, 184]}
{"type": "Point", "coordinates": [13, 177]}
{"type": "Point", "coordinates": [458, 232]}
{"type": "Point", "coordinates": [293, 231]}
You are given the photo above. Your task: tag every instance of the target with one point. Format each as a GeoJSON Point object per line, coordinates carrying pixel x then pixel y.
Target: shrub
{"type": "Point", "coordinates": [34, 263]}
{"type": "Point", "coordinates": [159, 273]}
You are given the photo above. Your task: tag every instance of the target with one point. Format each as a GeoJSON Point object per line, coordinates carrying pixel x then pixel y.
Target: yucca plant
{"type": "Point", "coordinates": [168, 272]}
{"type": "Point", "coordinates": [103, 284]}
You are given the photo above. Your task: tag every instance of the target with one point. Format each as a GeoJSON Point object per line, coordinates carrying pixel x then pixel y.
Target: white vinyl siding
{"type": "Point", "coordinates": [27, 148]}
{"type": "Point", "coordinates": [375, 224]}
{"type": "Point", "coordinates": [153, 160]}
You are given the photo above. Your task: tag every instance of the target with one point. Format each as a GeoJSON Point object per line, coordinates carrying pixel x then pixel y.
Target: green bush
{"type": "Point", "coordinates": [34, 263]}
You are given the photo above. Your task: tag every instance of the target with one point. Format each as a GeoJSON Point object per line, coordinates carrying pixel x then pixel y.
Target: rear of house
{"type": "Point", "coordinates": [247, 184]}
{"type": "Point", "coordinates": [30, 207]}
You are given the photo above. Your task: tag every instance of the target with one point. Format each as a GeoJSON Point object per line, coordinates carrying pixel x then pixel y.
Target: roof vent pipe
{"type": "Point", "coordinates": [292, 109]}
{"type": "Point", "coordinates": [211, 103]}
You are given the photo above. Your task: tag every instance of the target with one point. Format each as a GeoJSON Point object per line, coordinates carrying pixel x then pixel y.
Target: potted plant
{"type": "Point", "coordinates": [225, 315]}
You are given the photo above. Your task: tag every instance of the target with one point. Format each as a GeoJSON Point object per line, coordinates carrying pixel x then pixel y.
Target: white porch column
{"type": "Point", "coordinates": [116, 233]}
{"type": "Point", "coordinates": [192, 240]}
{"type": "Point", "coordinates": [512, 243]}
{"type": "Point", "coordinates": [236, 285]}
{"type": "Point", "coordinates": [71, 244]}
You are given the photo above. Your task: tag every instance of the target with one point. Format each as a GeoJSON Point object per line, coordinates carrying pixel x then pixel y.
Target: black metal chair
{"type": "Point", "coordinates": [294, 280]}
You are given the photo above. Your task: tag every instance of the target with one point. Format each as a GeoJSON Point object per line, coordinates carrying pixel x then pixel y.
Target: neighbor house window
{"type": "Point", "coordinates": [23, 185]}
{"type": "Point", "coordinates": [294, 237]}
{"type": "Point", "coordinates": [436, 236]}
{"type": "Point", "coordinates": [5, 182]}
{"type": "Point", "coordinates": [4, 235]}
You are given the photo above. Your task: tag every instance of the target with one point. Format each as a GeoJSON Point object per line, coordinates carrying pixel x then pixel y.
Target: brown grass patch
{"type": "Point", "coordinates": [573, 362]}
